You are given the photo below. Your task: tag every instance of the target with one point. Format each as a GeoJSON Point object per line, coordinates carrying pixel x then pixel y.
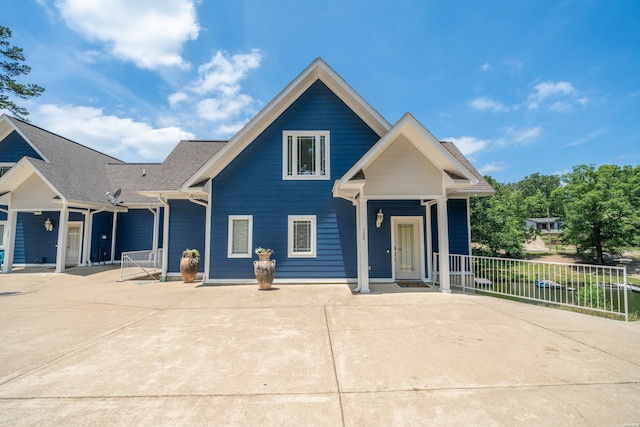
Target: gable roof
{"type": "Point", "coordinates": [482, 187]}
{"type": "Point", "coordinates": [77, 173]}
{"type": "Point", "coordinates": [317, 70]}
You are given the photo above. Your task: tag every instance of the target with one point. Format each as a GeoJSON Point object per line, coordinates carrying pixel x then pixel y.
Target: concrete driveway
{"type": "Point", "coordinates": [82, 349]}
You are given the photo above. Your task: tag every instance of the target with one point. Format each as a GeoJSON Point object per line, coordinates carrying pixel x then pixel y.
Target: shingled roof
{"type": "Point", "coordinates": [482, 188]}
{"type": "Point", "coordinates": [76, 171]}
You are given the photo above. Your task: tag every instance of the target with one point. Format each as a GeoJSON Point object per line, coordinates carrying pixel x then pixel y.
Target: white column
{"type": "Point", "coordinates": [165, 242]}
{"type": "Point", "coordinates": [443, 245]}
{"type": "Point", "coordinates": [88, 231]}
{"type": "Point", "coordinates": [9, 242]}
{"type": "Point", "coordinates": [207, 239]}
{"type": "Point", "coordinates": [363, 244]}
{"type": "Point", "coordinates": [61, 249]}
{"type": "Point", "coordinates": [114, 230]}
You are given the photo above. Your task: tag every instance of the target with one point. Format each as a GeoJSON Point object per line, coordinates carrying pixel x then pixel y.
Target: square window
{"type": "Point", "coordinates": [306, 155]}
{"type": "Point", "coordinates": [240, 236]}
{"type": "Point", "coordinates": [302, 236]}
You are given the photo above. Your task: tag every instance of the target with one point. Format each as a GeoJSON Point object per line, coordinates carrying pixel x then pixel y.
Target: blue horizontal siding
{"type": "Point", "coordinates": [33, 244]}
{"type": "Point", "coordinates": [252, 185]}
{"type": "Point", "coordinates": [13, 148]}
{"type": "Point", "coordinates": [186, 231]}
{"type": "Point", "coordinates": [458, 227]}
{"type": "Point", "coordinates": [380, 238]}
{"type": "Point", "coordinates": [134, 231]}
{"type": "Point", "coordinates": [102, 226]}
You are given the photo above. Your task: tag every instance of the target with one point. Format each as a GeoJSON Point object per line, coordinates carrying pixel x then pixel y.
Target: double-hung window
{"type": "Point", "coordinates": [240, 236]}
{"type": "Point", "coordinates": [305, 155]}
{"type": "Point", "coordinates": [302, 236]}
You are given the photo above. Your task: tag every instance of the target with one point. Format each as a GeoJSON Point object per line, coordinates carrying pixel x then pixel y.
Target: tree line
{"type": "Point", "coordinates": [599, 209]}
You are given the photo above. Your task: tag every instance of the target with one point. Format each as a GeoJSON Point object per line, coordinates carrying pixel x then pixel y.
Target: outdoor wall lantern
{"type": "Point", "coordinates": [48, 225]}
{"type": "Point", "coordinates": [379, 218]}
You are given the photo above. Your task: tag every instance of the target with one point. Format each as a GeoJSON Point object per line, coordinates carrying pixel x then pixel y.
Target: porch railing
{"type": "Point", "coordinates": [140, 263]}
{"type": "Point", "coordinates": [590, 287]}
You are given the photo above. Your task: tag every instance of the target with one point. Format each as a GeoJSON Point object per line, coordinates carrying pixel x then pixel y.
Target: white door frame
{"type": "Point", "coordinates": [80, 225]}
{"type": "Point", "coordinates": [419, 231]}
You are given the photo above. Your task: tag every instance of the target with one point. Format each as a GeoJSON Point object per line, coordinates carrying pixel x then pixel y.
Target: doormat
{"type": "Point", "coordinates": [412, 284]}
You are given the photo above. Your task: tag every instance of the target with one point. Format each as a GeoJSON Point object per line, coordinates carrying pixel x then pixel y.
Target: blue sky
{"type": "Point", "coordinates": [519, 86]}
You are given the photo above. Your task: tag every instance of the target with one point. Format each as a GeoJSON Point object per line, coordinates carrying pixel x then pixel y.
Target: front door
{"type": "Point", "coordinates": [74, 239]}
{"type": "Point", "coordinates": [407, 248]}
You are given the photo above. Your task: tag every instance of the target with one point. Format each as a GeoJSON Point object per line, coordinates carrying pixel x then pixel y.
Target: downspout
{"type": "Point", "coordinates": [165, 238]}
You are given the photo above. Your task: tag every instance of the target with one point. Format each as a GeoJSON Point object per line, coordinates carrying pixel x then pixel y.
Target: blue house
{"type": "Point", "coordinates": [339, 193]}
{"type": "Point", "coordinates": [54, 206]}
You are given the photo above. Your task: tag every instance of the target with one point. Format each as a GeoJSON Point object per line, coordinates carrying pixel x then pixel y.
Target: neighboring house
{"type": "Point", "coordinates": [339, 193]}
{"type": "Point", "coordinates": [54, 196]}
{"type": "Point", "coordinates": [546, 225]}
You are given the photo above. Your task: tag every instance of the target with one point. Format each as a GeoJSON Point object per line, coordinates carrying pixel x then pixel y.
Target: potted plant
{"type": "Point", "coordinates": [189, 265]}
{"type": "Point", "coordinates": [264, 253]}
{"type": "Point", "coordinates": [264, 268]}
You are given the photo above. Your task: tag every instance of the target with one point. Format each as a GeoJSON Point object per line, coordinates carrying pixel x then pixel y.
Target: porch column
{"type": "Point", "coordinates": [10, 241]}
{"type": "Point", "coordinates": [88, 232]}
{"type": "Point", "coordinates": [61, 250]}
{"type": "Point", "coordinates": [443, 245]}
{"type": "Point", "coordinates": [207, 239]}
{"type": "Point", "coordinates": [114, 229]}
{"type": "Point", "coordinates": [363, 247]}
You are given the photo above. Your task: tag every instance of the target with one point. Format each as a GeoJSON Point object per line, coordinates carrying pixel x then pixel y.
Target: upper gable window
{"type": "Point", "coordinates": [305, 155]}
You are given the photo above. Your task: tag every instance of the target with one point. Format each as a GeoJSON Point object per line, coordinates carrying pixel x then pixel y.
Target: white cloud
{"type": "Point", "coordinates": [588, 137]}
{"type": "Point", "coordinates": [521, 136]}
{"type": "Point", "coordinates": [492, 167]}
{"type": "Point", "coordinates": [148, 33]}
{"type": "Point", "coordinates": [484, 103]}
{"type": "Point", "coordinates": [216, 93]}
{"type": "Point", "coordinates": [123, 138]}
{"type": "Point", "coordinates": [562, 96]}
{"type": "Point", "coordinates": [485, 67]}
{"type": "Point", "coordinates": [468, 144]}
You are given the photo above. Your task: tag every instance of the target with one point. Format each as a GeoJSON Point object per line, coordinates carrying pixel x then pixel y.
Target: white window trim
{"type": "Point", "coordinates": [313, 252]}
{"type": "Point", "coordinates": [285, 155]}
{"type": "Point", "coordinates": [230, 253]}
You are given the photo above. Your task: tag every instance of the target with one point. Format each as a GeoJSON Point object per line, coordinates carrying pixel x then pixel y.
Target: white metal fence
{"type": "Point", "coordinates": [141, 263]}
{"type": "Point", "coordinates": [590, 287]}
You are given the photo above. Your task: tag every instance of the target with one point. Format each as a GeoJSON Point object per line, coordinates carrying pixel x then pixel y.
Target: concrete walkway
{"type": "Point", "coordinates": [82, 349]}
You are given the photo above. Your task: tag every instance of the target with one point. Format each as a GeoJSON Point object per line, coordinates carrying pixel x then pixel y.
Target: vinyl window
{"type": "Point", "coordinates": [305, 155]}
{"type": "Point", "coordinates": [240, 236]}
{"type": "Point", "coordinates": [302, 236]}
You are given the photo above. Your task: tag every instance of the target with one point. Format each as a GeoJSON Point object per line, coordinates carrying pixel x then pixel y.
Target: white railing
{"type": "Point", "coordinates": [589, 287]}
{"type": "Point", "coordinates": [140, 263]}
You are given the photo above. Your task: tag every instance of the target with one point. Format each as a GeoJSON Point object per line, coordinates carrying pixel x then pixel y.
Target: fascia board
{"type": "Point", "coordinates": [31, 144]}
{"type": "Point", "coordinates": [318, 69]}
{"type": "Point", "coordinates": [21, 171]}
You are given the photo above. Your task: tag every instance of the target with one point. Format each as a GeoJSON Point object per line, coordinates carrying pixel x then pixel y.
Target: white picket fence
{"type": "Point", "coordinates": [590, 287]}
{"type": "Point", "coordinates": [141, 263]}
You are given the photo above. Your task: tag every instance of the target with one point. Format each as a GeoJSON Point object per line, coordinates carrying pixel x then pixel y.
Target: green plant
{"type": "Point", "coordinates": [260, 250]}
{"type": "Point", "coordinates": [191, 253]}
{"type": "Point", "coordinates": [593, 296]}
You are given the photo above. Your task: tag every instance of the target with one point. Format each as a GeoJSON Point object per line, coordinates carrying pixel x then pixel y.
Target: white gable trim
{"type": "Point", "coordinates": [415, 132]}
{"type": "Point", "coordinates": [8, 120]}
{"type": "Point", "coordinates": [21, 171]}
{"type": "Point", "coordinates": [318, 70]}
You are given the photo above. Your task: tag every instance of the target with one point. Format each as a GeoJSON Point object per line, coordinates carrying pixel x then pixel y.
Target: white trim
{"type": "Point", "coordinates": [395, 220]}
{"type": "Point", "coordinates": [317, 135]}
{"type": "Point", "coordinates": [8, 119]}
{"type": "Point", "coordinates": [293, 281]}
{"type": "Point", "coordinates": [230, 222]}
{"type": "Point", "coordinates": [292, 219]}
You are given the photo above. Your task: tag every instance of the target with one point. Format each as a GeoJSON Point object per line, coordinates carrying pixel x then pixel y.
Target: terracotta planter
{"type": "Point", "coordinates": [264, 257]}
{"type": "Point", "coordinates": [265, 270]}
{"type": "Point", "coordinates": [188, 269]}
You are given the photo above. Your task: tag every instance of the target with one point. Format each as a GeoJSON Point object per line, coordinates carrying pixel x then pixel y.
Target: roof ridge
{"type": "Point", "coordinates": [63, 137]}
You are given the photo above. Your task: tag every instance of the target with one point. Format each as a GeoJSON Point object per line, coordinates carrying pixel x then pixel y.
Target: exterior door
{"type": "Point", "coordinates": [408, 248]}
{"type": "Point", "coordinates": [74, 242]}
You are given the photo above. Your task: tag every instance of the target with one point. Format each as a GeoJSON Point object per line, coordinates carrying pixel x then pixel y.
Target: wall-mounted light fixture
{"type": "Point", "coordinates": [48, 225]}
{"type": "Point", "coordinates": [379, 218]}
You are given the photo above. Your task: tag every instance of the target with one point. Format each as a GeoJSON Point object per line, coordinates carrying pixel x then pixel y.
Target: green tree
{"type": "Point", "coordinates": [538, 193]}
{"type": "Point", "coordinates": [601, 209]}
{"type": "Point", "coordinates": [11, 68]}
{"type": "Point", "coordinates": [498, 222]}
